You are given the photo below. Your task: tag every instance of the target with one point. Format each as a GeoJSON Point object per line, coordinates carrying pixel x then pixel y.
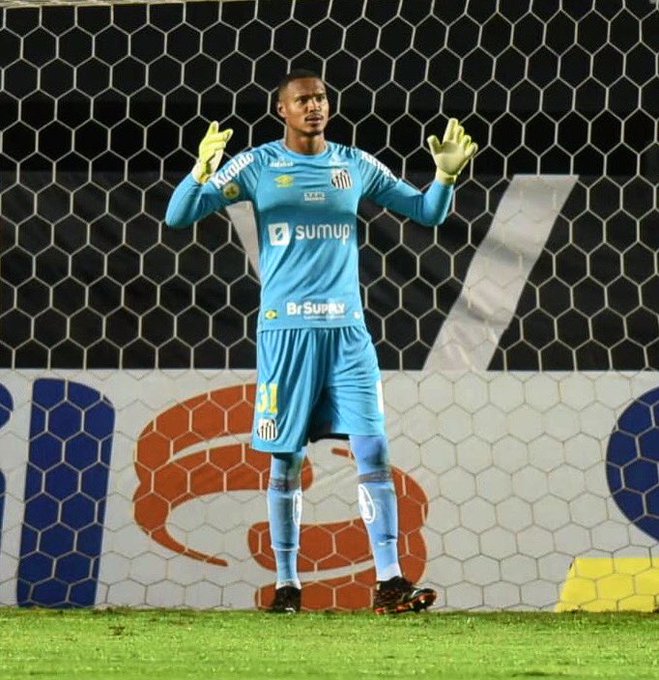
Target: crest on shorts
{"type": "Point", "coordinates": [266, 429]}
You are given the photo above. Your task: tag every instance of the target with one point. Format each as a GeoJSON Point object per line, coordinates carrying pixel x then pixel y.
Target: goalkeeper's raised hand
{"type": "Point", "coordinates": [454, 152]}
{"type": "Point", "coordinates": [211, 149]}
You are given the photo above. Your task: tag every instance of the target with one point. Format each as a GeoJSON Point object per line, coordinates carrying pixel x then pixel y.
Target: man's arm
{"type": "Point", "coordinates": [194, 198]}
{"type": "Point", "coordinates": [190, 202]}
{"type": "Point", "coordinates": [431, 207]}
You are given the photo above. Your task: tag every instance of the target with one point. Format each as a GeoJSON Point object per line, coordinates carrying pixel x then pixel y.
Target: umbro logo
{"type": "Point", "coordinates": [284, 181]}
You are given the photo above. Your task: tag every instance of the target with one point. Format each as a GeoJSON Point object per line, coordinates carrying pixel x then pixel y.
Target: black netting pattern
{"type": "Point", "coordinates": [102, 108]}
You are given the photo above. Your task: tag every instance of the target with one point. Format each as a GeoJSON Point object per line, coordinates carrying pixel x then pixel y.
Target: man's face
{"type": "Point", "coordinates": [304, 107]}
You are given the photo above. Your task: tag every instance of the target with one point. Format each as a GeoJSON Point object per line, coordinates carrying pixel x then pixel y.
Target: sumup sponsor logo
{"type": "Point", "coordinates": [310, 309]}
{"type": "Point", "coordinates": [313, 232]}
{"type": "Point", "coordinates": [279, 234]}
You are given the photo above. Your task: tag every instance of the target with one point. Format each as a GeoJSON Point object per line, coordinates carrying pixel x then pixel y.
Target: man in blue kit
{"type": "Point", "coordinates": [317, 370]}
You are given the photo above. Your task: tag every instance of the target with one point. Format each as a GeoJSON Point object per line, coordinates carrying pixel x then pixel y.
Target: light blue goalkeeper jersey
{"type": "Point", "coordinates": [306, 213]}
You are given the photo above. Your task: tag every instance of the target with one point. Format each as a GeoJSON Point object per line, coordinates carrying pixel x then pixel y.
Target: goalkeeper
{"type": "Point", "coordinates": [317, 370]}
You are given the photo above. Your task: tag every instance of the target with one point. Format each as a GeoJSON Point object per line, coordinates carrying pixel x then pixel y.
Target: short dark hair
{"type": "Point", "coordinates": [295, 74]}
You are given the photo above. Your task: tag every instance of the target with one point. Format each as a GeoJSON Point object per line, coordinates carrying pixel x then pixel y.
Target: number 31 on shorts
{"type": "Point", "coordinates": [267, 398]}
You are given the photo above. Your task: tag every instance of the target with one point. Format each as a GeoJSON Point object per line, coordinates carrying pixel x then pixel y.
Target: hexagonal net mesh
{"type": "Point", "coordinates": [531, 466]}
{"type": "Point", "coordinates": [103, 107]}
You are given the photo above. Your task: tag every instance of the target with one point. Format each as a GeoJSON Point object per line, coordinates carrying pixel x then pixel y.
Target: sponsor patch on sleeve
{"type": "Point", "coordinates": [231, 191]}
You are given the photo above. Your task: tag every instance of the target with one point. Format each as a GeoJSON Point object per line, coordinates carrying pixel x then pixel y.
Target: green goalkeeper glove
{"type": "Point", "coordinates": [211, 149]}
{"type": "Point", "coordinates": [453, 153]}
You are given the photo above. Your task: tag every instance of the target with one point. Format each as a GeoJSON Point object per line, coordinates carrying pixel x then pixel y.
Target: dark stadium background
{"type": "Point", "coordinates": [102, 109]}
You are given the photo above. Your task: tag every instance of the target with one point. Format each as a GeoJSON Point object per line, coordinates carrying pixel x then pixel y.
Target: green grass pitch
{"type": "Point", "coordinates": [192, 644]}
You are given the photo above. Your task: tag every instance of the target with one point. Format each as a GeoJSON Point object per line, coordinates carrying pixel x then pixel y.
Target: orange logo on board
{"type": "Point", "coordinates": [166, 481]}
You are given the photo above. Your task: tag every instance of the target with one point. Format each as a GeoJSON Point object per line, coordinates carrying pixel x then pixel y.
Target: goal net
{"type": "Point", "coordinates": [513, 339]}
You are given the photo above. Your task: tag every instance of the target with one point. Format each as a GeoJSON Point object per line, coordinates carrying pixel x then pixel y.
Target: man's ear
{"type": "Point", "coordinates": [280, 109]}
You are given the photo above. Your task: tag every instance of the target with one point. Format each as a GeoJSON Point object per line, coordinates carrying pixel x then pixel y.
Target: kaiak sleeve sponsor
{"type": "Point", "coordinates": [232, 169]}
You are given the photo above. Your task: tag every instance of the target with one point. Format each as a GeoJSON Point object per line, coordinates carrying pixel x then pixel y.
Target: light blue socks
{"type": "Point", "coordinates": [378, 504]}
{"type": "Point", "coordinates": [284, 498]}
{"type": "Point", "coordinates": [378, 507]}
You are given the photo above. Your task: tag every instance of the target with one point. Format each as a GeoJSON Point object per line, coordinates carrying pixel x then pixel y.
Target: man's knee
{"type": "Point", "coordinates": [371, 454]}
{"type": "Point", "coordinates": [286, 469]}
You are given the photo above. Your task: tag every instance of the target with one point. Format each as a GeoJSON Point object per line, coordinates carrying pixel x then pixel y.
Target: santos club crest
{"type": "Point", "coordinates": [341, 178]}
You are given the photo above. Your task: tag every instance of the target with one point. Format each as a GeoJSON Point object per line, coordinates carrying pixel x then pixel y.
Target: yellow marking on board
{"type": "Point", "coordinates": [598, 584]}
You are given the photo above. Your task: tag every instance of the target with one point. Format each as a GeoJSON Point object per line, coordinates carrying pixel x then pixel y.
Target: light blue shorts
{"type": "Point", "coordinates": [315, 383]}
